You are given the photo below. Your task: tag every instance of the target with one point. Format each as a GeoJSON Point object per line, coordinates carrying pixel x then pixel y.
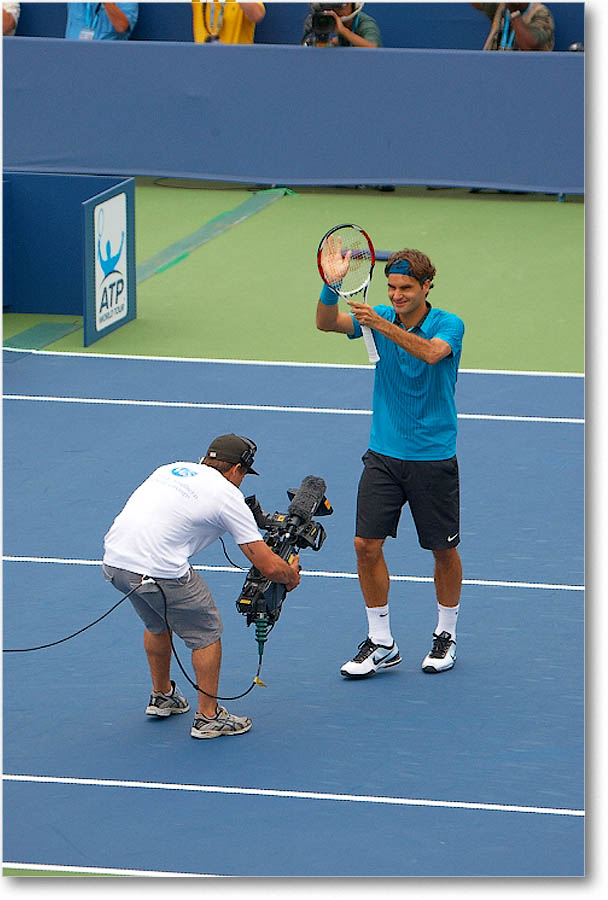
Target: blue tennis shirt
{"type": "Point", "coordinates": [414, 409]}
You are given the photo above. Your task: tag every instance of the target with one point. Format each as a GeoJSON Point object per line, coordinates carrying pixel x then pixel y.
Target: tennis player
{"type": "Point", "coordinates": [179, 510]}
{"type": "Point", "coordinates": [412, 452]}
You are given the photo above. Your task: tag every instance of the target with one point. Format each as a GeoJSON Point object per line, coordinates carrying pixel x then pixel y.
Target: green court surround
{"type": "Point", "coordinates": [511, 265]}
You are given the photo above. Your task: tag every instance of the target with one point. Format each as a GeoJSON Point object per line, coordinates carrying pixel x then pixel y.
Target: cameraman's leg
{"type": "Point", "coordinates": [194, 616]}
{"type": "Point", "coordinates": [157, 643]}
{"type": "Point", "coordinates": [206, 662]}
{"type": "Point", "coordinates": [158, 653]}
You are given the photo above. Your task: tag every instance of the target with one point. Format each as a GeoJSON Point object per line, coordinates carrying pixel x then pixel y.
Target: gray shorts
{"type": "Point", "coordinates": [191, 612]}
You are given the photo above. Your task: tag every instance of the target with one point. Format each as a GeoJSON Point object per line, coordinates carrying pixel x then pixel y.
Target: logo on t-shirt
{"type": "Point", "coordinates": [183, 472]}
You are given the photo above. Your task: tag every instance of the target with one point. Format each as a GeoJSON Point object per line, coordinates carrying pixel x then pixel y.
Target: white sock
{"type": "Point", "coordinates": [379, 625]}
{"type": "Point", "coordinates": [446, 621]}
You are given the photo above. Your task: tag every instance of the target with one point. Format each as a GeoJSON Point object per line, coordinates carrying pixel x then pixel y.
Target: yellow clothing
{"type": "Point", "coordinates": [226, 19]}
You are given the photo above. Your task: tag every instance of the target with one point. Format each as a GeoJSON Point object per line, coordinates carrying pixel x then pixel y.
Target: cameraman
{"type": "Point", "coordinates": [179, 510]}
{"type": "Point", "coordinates": [340, 25]}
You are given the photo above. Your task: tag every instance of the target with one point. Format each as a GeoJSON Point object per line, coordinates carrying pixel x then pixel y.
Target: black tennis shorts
{"type": "Point", "coordinates": [431, 488]}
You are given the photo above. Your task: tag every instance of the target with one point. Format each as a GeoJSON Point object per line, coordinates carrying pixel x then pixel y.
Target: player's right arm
{"type": "Point", "coordinates": [271, 565]}
{"type": "Point", "coordinates": [329, 318]}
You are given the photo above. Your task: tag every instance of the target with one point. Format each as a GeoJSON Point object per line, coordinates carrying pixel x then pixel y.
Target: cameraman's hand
{"type": "Point", "coordinates": [295, 566]}
{"type": "Point", "coordinates": [354, 39]}
{"type": "Point", "coordinates": [271, 565]}
{"type": "Point", "coordinates": [340, 27]}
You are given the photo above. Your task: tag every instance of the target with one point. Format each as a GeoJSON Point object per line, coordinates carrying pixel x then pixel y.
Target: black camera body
{"type": "Point", "coordinates": [286, 534]}
{"type": "Point", "coordinates": [322, 24]}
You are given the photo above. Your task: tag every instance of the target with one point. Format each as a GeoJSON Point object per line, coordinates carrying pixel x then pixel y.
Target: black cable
{"type": "Point", "coordinates": [179, 662]}
{"type": "Point", "coordinates": [70, 636]}
{"type": "Point", "coordinates": [185, 674]}
{"type": "Point", "coordinates": [228, 558]}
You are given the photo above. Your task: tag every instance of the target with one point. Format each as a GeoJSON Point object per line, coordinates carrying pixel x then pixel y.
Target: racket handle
{"type": "Point", "coordinates": [370, 344]}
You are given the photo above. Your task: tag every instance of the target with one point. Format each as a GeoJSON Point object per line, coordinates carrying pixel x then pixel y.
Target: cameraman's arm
{"type": "Point", "coordinates": [354, 39]}
{"type": "Point", "coordinates": [271, 565]}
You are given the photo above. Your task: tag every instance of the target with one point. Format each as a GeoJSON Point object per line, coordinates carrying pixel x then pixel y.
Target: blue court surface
{"type": "Point", "coordinates": [476, 772]}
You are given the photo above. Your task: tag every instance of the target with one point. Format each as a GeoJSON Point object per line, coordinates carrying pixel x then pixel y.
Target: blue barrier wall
{"type": "Point", "coordinates": [264, 114]}
{"type": "Point", "coordinates": [454, 26]}
{"type": "Point", "coordinates": [43, 241]}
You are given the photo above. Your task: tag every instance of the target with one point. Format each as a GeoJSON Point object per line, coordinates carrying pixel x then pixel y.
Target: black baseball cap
{"type": "Point", "coordinates": [234, 449]}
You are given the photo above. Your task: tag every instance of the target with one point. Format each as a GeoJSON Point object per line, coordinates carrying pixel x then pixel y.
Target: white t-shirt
{"type": "Point", "coordinates": [178, 511]}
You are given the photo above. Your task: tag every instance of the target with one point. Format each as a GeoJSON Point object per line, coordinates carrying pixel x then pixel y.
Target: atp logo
{"type": "Point", "coordinates": [111, 260]}
{"type": "Point", "coordinates": [183, 472]}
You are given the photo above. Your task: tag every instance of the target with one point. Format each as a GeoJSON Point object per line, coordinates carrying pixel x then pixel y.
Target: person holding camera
{"type": "Point", "coordinates": [411, 456]}
{"type": "Point", "coordinates": [340, 25]}
{"type": "Point", "coordinates": [518, 26]}
{"type": "Point", "coordinates": [180, 509]}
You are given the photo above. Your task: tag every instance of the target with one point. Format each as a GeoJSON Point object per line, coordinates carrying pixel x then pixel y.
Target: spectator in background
{"type": "Point", "coordinates": [518, 26]}
{"type": "Point", "coordinates": [101, 21]}
{"type": "Point", "coordinates": [10, 18]}
{"type": "Point", "coordinates": [347, 26]}
{"type": "Point", "coordinates": [227, 22]}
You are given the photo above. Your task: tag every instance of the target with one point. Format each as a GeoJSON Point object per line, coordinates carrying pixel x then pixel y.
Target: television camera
{"type": "Point", "coordinates": [260, 599]}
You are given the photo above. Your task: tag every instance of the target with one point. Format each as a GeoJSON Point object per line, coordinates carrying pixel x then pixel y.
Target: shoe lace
{"type": "Point", "coordinates": [441, 644]}
{"type": "Point", "coordinates": [365, 648]}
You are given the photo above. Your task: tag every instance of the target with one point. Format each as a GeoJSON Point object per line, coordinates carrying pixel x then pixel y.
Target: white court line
{"type": "Point", "coordinates": [416, 578]}
{"type": "Point", "coordinates": [91, 870]}
{"type": "Point", "coordinates": [262, 362]}
{"type": "Point", "coordinates": [294, 795]}
{"type": "Point", "coordinates": [256, 407]}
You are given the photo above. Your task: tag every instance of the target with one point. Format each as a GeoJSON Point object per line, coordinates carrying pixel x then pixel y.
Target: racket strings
{"type": "Point", "coordinates": [357, 274]}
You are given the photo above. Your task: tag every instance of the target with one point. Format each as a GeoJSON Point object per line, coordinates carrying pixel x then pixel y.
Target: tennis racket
{"type": "Point", "coordinates": [345, 260]}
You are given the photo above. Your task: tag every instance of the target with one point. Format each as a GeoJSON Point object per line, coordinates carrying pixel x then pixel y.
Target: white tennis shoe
{"type": "Point", "coordinates": [222, 723]}
{"type": "Point", "coordinates": [167, 704]}
{"type": "Point", "coordinates": [442, 654]}
{"type": "Point", "coordinates": [370, 658]}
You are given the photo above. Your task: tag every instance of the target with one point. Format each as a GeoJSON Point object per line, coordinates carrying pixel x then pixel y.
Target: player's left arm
{"type": "Point", "coordinates": [430, 350]}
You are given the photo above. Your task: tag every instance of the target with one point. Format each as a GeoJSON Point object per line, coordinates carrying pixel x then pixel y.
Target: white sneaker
{"type": "Point", "coordinates": [370, 658]}
{"type": "Point", "coordinates": [221, 723]}
{"type": "Point", "coordinates": [167, 704]}
{"type": "Point", "coordinates": [442, 655]}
